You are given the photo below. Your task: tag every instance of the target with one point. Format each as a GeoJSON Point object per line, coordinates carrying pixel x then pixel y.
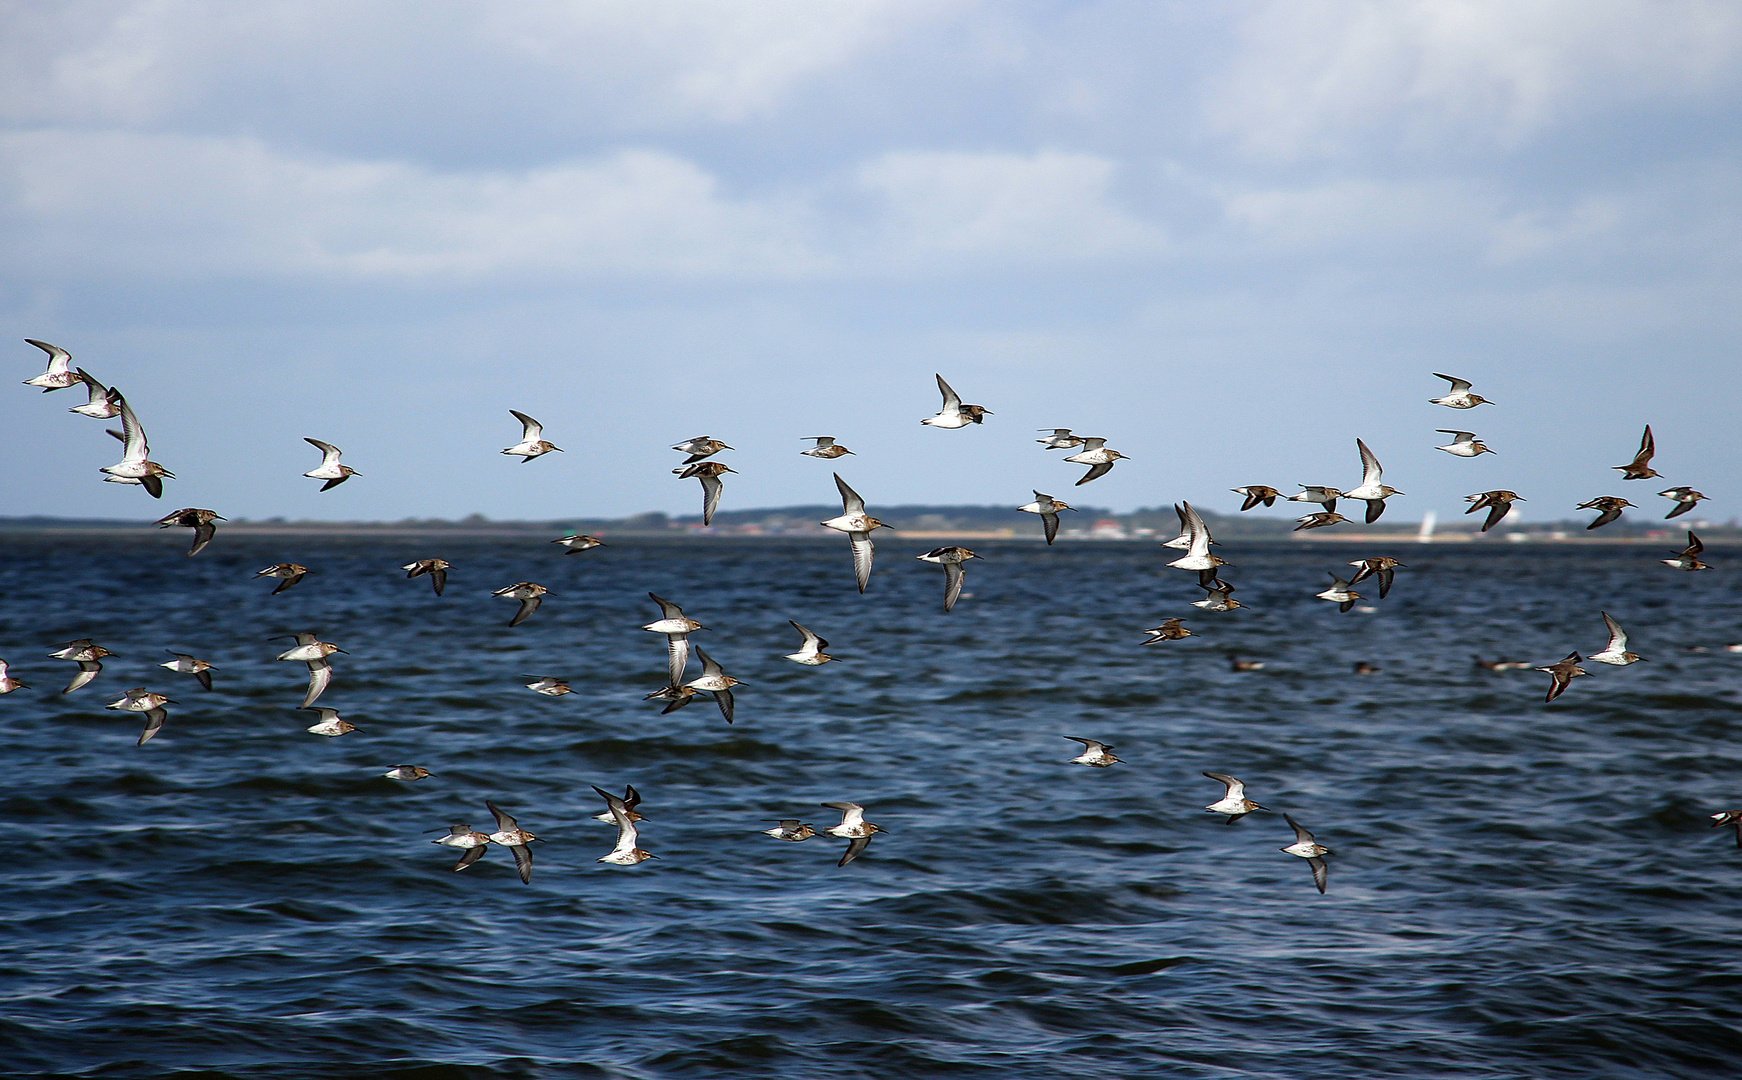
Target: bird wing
{"type": "Point", "coordinates": [631, 797]}
{"type": "Point", "coordinates": [1095, 472]}
{"type": "Point", "coordinates": [95, 389]}
{"type": "Point", "coordinates": [1236, 789]}
{"type": "Point", "coordinates": [1647, 447]}
{"type": "Point", "coordinates": [1200, 533]}
{"type": "Point", "coordinates": [1321, 872]}
{"type": "Point", "coordinates": [1694, 545]}
{"type": "Point", "coordinates": [320, 676]}
{"type": "Point", "coordinates": [522, 861]}
{"type": "Point", "coordinates": [1457, 436]}
{"type": "Point", "coordinates": [1459, 386]}
{"type": "Point", "coordinates": [1386, 574]}
{"type": "Point", "coordinates": [1050, 522]}
{"type": "Point", "coordinates": [504, 823]}
{"type": "Point", "coordinates": [1093, 444]}
{"type": "Point", "coordinates": [132, 435]}
{"type": "Point", "coordinates": [812, 643]}
{"type": "Point", "coordinates": [154, 719]}
{"type": "Point", "coordinates": [667, 609]}
{"type": "Point", "coordinates": [59, 360]}
{"type": "Point", "coordinates": [710, 666]}
{"type": "Point", "coordinates": [532, 430]}
{"type": "Point", "coordinates": [472, 855]}
{"type": "Point", "coordinates": [1617, 636]}
{"type": "Point", "coordinates": [711, 491]}
{"type": "Point", "coordinates": [953, 578]}
{"type": "Point", "coordinates": [851, 503]}
{"type": "Point", "coordinates": [439, 578]}
{"type": "Point", "coordinates": [852, 814]}
{"type": "Point", "coordinates": [1301, 836]}
{"type": "Point", "coordinates": [677, 656]}
{"type": "Point", "coordinates": [627, 835]}
{"type": "Point", "coordinates": [723, 698]}
{"type": "Point", "coordinates": [1370, 470]}
{"type": "Point", "coordinates": [863, 550]}
{"type": "Point", "coordinates": [329, 452]}
{"type": "Point", "coordinates": [1375, 507]}
{"type": "Point", "coordinates": [1496, 511]}
{"type": "Point", "coordinates": [952, 403]}
{"type": "Point", "coordinates": [855, 847]}
{"type": "Point", "coordinates": [528, 605]}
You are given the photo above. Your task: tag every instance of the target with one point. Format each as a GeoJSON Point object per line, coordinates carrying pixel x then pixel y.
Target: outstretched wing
{"type": "Point", "coordinates": [504, 823]}
{"type": "Point", "coordinates": [953, 578]}
{"type": "Point", "coordinates": [1617, 636]}
{"type": "Point", "coordinates": [863, 550]}
{"type": "Point", "coordinates": [320, 676]}
{"type": "Point", "coordinates": [329, 452]}
{"type": "Point", "coordinates": [677, 657]}
{"type": "Point", "coordinates": [851, 503]}
{"type": "Point", "coordinates": [1321, 872]}
{"type": "Point", "coordinates": [1050, 522]}
{"type": "Point", "coordinates": [1236, 789]}
{"type": "Point", "coordinates": [60, 361]}
{"type": "Point", "coordinates": [1459, 386]}
{"type": "Point", "coordinates": [711, 491]}
{"type": "Point", "coordinates": [132, 435]}
{"type": "Point", "coordinates": [1095, 472]}
{"type": "Point", "coordinates": [1370, 470]}
{"type": "Point", "coordinates": [528, 605]}
{"type": "Point", "coordinates": [855, 846]}
{"type": "Point", "coordinates": [951, 401]}
{"type": "Point", "coordinates": [532, 430]}
{"type": "Point", "coordinates": [1496, 511]}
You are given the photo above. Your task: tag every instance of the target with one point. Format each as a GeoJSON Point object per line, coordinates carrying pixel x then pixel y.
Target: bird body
{"type": "Point", "coordinates": [200, 521]}
{"type": "Point", "coordinates": [853, 828]}
{"type": "Point", "coordinates": [59, 375]}
{"type": "Point", "coordinates": [1384, 568]}
{"type": "Point", "coordinates": [1048, 508]}
{"type": "Point", "coordinates": [1563, 673]}
{"type": "Point", "coordinates": [1463, 444]}
{"type": "Point", "coordinates": [951, 559]}
{"type": "Point", "coordinates": [1497, 503]}
{"type": "Point", "coordinates": [825, 448]}
{"type": "Point", "coordinates": [510, 835]}
{"type": "Point", "coordinates": [329, 469]}
{"type": "Point", "coordinates": [1616, 651]}
{"type": "Point", "coordinates": [1371, 490]}
{"type": "Point", "coordinates": [858, 525]}
{"type": "Point", "coordinates": [1686, 498]}
{"type": "Point", "coordinates": [1307, 847]}
{"type": "Point", "coordinates": [331, 725]}
{"type": "Point", "coordinates": [190, 665]}
{"type": "Point", "coordinates": [1098, 457]}
{"type": "Point", "coordinates": [1234, 803]}
{"type": "Point", "coordinates": [702, 446]}
{"type": "Point", "coordinates": [1460, 396]}
{"type": "Point", "coordinates": [104, 403]}
{"type": "Point", "coordinates": [1171, 630]}
{"type": "Point", "coordinates": [1689, 557]}
{"type": "Point", "coordinates": [1096, 754]}
{"type": "Point", "coordinates": [1340, 594]}
{"type": "Point", "coordinates": [715, 681]}
{"type": "Point", "coordinates": [1640, 467]}
{"type": "Point", "coordinates": [810, 653]}
{"type": "Point", "coordinates": [677, 627]}
{"type": "Point", "coordinates": [530, 594]}
{"type": "Point", "coordinates": [1256, 494]}
{"type": "Point", "coordinates": [136, 466]}
{"type": "Point", "coordinates": [1060, 439]}
{"type": "Point", "coordinates": [532, 443]}
{"type": "Point", "coordinates": [436, 569]}
{"type": "Point", "coordinates": [1197, 556]}
{"type": "Point", "coordinates": [954, 414]}
{"type": "Point", "coordinates": [289, 571]}
{"type": "Point", "coordinates": [1610, 505]}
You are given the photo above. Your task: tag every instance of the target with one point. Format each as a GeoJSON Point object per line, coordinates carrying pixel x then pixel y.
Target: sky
{"type": "Point", "coordinates": [1230, 238]}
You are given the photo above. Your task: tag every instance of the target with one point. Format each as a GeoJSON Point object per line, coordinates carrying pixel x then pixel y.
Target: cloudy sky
{"type": "Point", "coordinates": [1229, 237]}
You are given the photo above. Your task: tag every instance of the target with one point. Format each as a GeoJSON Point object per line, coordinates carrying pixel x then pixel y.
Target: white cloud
{"type": "Point", "coordinates": [1316, 76]}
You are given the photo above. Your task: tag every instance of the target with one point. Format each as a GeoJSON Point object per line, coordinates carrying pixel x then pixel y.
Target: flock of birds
{"type": "Point", "coordinates": [137, 468]}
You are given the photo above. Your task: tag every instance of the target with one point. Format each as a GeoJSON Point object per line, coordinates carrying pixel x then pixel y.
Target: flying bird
{"type": "Point", "coordinates": [103, 403]}
{"type": "Point", "coordinates": [1339, 594]}
{"type": "Point", "coordinates": [89, 657]}
{"type": "Point", "coordinates": [190, 665]}
{"type": "Point", "coordinates": [1686, 498]}
{"type": "Point", "coordinates": [1463, 444]}
{"type": "Point", "coordinates": [309, 649]}
{"type": "Point", "coordinates": [1317, 493]}
{"type": "Point", "coordinates": [530, 595]}
{"type": "Point", "coordinates": [1640, 467]}
{"type": "Point", "coordinates": [708, 472]}
{"type": "Point", "coordinates": [858, 526]}
{"type": "Point", "coordinates": [1563, 673]}
{"type": "Point", "coordinates": [1319, 520]}
{"type": "Point", "coordinates": [1616, 651]}
{"type": "Point", "coordinates": [289, 571]}
{"type": "Point", "coordinates": [437, 569]}
{"type": "Point", "coordinates": [626, 853]}
{"type": "Point", "coordinates": [677, 627]}
{"type": "Point", "coordinates": [810, 653]}
{"type": "Point", "coordinates": [510, 835]}
{"type": "Point", "coordinates": [1308, 848]}
{"type": "Point", "coordinates": [631, 799]}
{"type": "Point", "coordinates": [826, 448]}
{"type": "Point", "coordinates": [1497, 503]}
{"type": "Point", "coordinates": [716, 682]}
{"type": "Point", "coordinates": [532, 442]}
{"type": "Point", "coordinates": [1689, 557]}
{"type": "Point", "coordinates": [7, 682]}
{"type": "Point", "coordinates": [1384, 568]}
{"type": "Point", "coordinates": [464, 837]}
{"type": "Point", "coordinates": [1098, 457]}
{"type": "Point", "coordinates": [1220, 596]}
{"type": "Point", "coordinates": [1460, 396]}
{"type": "Point", "coordinates": [136, 466]}
{"type": "Point", "coordinates": [1371, 491]}
{"type": "Point", "coordinates": [548, 685]}
{"type": "Point", "coordinates": [1234, 803]}
{"type": "Point", "coordinates": [1610, 505]}
{"type": "Point", "coordinates": [1060, 439]}
{"type": "Point", "coordinates": [1255, 494]}
{"type": "Point", "coordinates": [329, 469]}
{"type": "Point", "coordinates": [144, 701]}
{"type": "Point", "coordinates": [59, 375]}
{"type": "Point", "coordinates": [1171, 630]}
{"type": "Point", "coordinates": [578, 542]}
{"type": "Point", "coordinates": [951, 559]}
{"type": "Point", "coordinates": [853, 828]}
{"type": "Point", "coordinates": [407, 772]}
{"type": "Point", "coordinates": [954, 414]}
{"type": "Point", "coordinates": [791, 829]}
{"type": "Point", "coordinates": [1197, 556]}
{"type": "Point", "coordinates": [702, 446]}
{"type": "Point", "coordinates": [1096, 754]}
{"type": "Point", "coordinates": [200, 521]}
{"type": "Point", "coordinates": [1048, 508]}
{"type": "Point", "coordinates": [331, 725]}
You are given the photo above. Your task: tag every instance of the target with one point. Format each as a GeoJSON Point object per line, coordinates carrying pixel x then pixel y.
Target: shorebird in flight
{"type": "Point", "coordinates": [1255, 494]}
{"type": "Point", "coordinates": [810, 653]}
{"type": "Point", "coordinates": [200, 521]}
{"type": "Point", "coordinates": [677, 696]}
{"type": "Point", "coordinates": [190, 665]}
{"type": "Point", "coordinates": [1220, 596]}
{"type": "Point", "coordinates": [631, 799]}
{"type": "Point", "coordinates": [548, 685]}
{"type": "Point", "coordinates": [532, 442]}
{"type": "Point", "coordinates": [708, 472]}
{"type": "Point", "coordinates": [716, 682]}
{"type": "Point", "coordinates": [1319, 520]}
{"type": "Point", "coordinates": [1616, 651]}
{"type": "Point", "coordinates": [144, 701]}
{"type": "Point", "coordinates": [1384, 568]}
{"type": "Point", "coordinates": [625, 853]}
{"type": "Point", "coordinates": [1171, 630]}
{"type": "Point", "coordinates": [1060, 439]}
{"type": "Point", "coordinates": [1234, 804]}
{"type": "Point", "coordinates": [510, 835]}
{"type": "Point", "coordinates": [853, 828]}
{"type": "Point", "coordinates": [1689, 557]}
{"type": "Point", "coordinates": [1098, 457]}
{"type": "Point", "coordinates": [702, 446]}
{"type": "Point", "coordinates": [329, 469]}
{"type": "Point", "coordinates": [1610, 505]}
{"type": "Point", "coordinates": [464, 837]}
{"type": "Point", "coordinates": [1317, 493]}
{"type": "Point", "coordinates": [677, 627]}
{"type": "Point", "coordinates": [312, 651]}
{"type": "Point", "coordinates": [1732, 818]}
{"type": "Point", "coordinates": [104, 403]}
{"type": "Point", "coordinates": [1463, 444]}
{"type": "Point", "coordinates": [1564, 673]}
{"type": "Point", "coordinates": [289, 571]}
{"type": "Point", "coordinates": [1686, 498]}
{"type": "Point", "coordinates": [954, 414]}
{"type": "Point", "coordinates": [1308, 848]}
{"type": "Point", "coordinates": [8, 683]}
{"type": "Point", "coordinates": [826, 448]}
{"type": "Point", "coordinates": [1096, 754]}
{"type": "Point", "coordinates": [1640, 467]}
{"type": "Point", "coordinates": [530, 594]}
{"type": "Point", "coordinates": [791, 829]}
{"type": "Point", "coordinates": [1497, 503]}
{"type": "Point", "coordinates": [858, 525]}
{"type": "Point", "coordinates": [136, 466]}
{"type": "Point", "coordinates": [331, 725]}
{"type": "Point", "coordinates": [1048, 508]}
{"type": "Point", "coordinates": [407, 773]}
{"type": "Point", "coordinates": [579, 542]}
{"type": "Point", "coordinates": [59, 375]}
{"type": "Point", "coordinates": [1197, 556]}
{"type": "Point", "coordinates": [1339, 593]}
{"type": "Point", "coordinates": [89, 657]}
{"type": "Point", "coordinates": [1371, 491]}
{"type": "Point", "coordinates": [1460, 396]}
{"type": "Point", "coordinates": [951, 559]}
{"type": "Point", "coordinates": [437, 569]}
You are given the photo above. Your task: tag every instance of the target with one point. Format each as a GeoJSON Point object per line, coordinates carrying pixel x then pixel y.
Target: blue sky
{"type": "Point", "coordinates": [1230, 238]}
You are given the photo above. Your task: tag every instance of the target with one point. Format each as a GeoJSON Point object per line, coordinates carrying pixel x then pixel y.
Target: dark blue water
{"type": "Point", "coordinates": [1517, 890]}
